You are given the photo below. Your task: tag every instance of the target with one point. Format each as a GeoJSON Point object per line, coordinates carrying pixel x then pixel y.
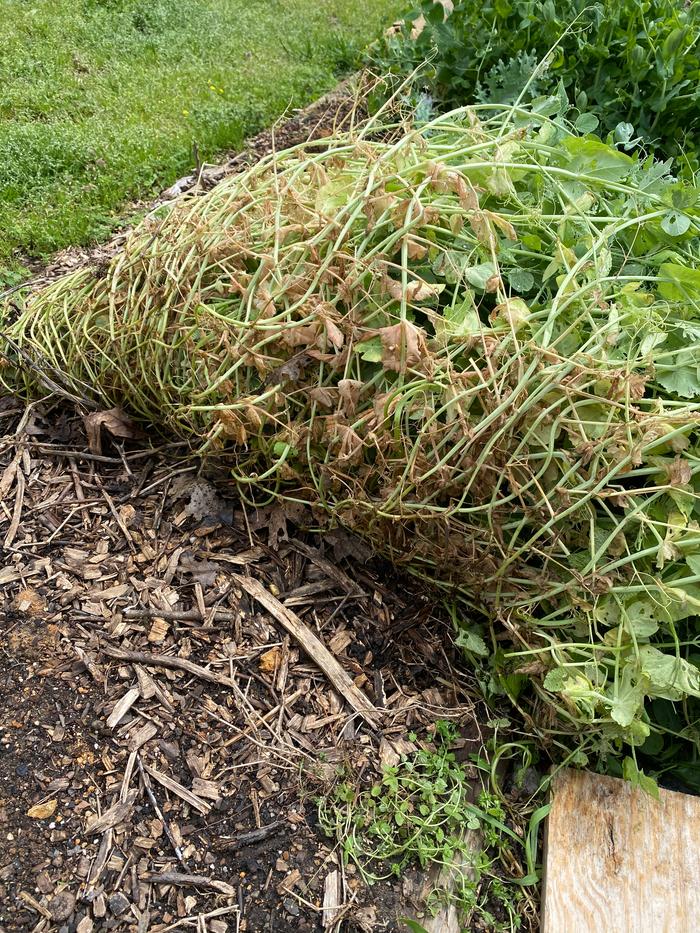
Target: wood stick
{"type": "Point", "coordinates": [201, 881]}
{"type": "Point", "coordinates": [183, 615]}
{"type": "Point", "coordinates": [316, 650]}
{"type": "Point", "coordinates": [159, 812]}
{"type": "Point", "coordinates": [176, 788]}
{"type": "Point", "coordinates": [164, 660]}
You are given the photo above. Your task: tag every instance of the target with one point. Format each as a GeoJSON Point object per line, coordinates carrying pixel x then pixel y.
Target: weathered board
{"type": "Point", "coordinates": [618, 860]}
{"type": "Point", "coordinates": [447, 919]}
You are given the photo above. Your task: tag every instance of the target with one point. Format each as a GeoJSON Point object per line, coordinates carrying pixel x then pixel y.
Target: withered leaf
{"type": "Point", "coordinates": [414, 249]}
{"type": "Point", "coordinates": [335, 336]}
{"type": "Point", "coordinates": [322, 396]}
{"type": "Point", "coordinates": [350, 444]}
{"type": "Point", "coordinates": [504, 225]}
{"type": "Point", "coordinates": [679, 472]}
{"type": "Point", "coordinates": [349, 394]}
{"type": "Point", "coordinates": [417, 290]}
{"type": "Point", "coordinates": [403, 345]}
{"type": "Point", "coordinates": [289, 372]}
{"type": "Point", "coordinates": [202, 571]}
{"type": "Point", "coordinates": [114, 421]}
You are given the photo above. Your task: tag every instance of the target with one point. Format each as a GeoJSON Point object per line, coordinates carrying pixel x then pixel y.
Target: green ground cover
{"type": "Point", "coordinates": [101, 100]}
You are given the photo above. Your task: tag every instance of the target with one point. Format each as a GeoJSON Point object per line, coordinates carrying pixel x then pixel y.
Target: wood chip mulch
{"type": "Point", "coordinates": [181, 677]}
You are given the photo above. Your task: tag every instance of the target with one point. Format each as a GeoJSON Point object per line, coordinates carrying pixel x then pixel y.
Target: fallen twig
{"type": "Point", "coordinates": [163, 660]}
{"type": "Point", "coordinates": [159, 813]}
{"type": "Point", "coordinates": [175, 877]}
{"type": "Point", "coordinates": [316, 650]}
{"type": "Point", "coordinates": [201, 805]}
{"type": "Point", "coordinates": [249, 838]}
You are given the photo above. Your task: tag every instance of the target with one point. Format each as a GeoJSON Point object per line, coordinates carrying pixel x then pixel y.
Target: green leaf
{"type": "Point", "coordinates": [413, 925]}
{"type": "Point", "coordinates": [638, 778]}
{"type": "Point", "coordinates": [450, 265]}
{"type": "Point", "coordinates": [520, 279]}
{"type": "Point", "coordinates": [479, 275]}
{"type": "Point", "coordinates": [628, 700]}
{"type": "Point", "coordinates": [472, 642]}
{"type": "Point", "coordinates": [594, 158]}
{"type": "Point", "coordinates": [678, 283]}
{"type": "Point", "coordinates": [639, 618]}
{"type": "Point", "coordinates": [683, 381]}
{"type": "Point", "coordinates": [675, 224]}
{"type": "Point", "coordinates": [683, 197]}
{"type": "Point", "coordinates": [672, 43]}
{"type": "Point", "coordinates": [671, 677]}
{"type": "Point", "coordinates": [370, 350]}
{"type": "Point", "coordinates": [555, 679]}
{"type": "Point", "coordinates": [335, 194]}
{"type": "Point", "coordinates": [460, 320]}
{"type": "Point", "coordinates": [586, 123]}
{"type": "Point", "coordinates": [623, 132]}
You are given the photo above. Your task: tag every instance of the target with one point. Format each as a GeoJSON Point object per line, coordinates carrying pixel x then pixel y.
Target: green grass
{"type": "Point", "coordinates": [101, 100]}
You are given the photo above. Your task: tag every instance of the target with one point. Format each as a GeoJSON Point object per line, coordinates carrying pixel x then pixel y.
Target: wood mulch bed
{"type": "Point", "coordinates": [181, 678]}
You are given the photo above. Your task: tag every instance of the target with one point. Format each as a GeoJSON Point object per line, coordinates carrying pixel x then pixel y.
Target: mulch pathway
{"type": "Point", "coordinates": [168, 709]}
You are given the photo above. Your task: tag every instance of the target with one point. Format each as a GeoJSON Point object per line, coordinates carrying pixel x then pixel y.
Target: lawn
{"type": "Point", "coordinates": [102, 100]}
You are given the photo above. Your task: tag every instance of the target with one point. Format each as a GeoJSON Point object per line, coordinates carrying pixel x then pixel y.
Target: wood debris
{"type": "Point", "coordinates": [166, 696]}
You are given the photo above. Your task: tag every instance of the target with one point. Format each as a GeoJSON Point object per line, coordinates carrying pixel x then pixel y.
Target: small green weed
{"type": "Point", "coordinates": [417, 813]}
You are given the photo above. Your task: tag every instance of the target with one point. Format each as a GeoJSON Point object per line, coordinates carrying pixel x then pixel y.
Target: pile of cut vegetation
{"type": "Point", "coordinates": [477, 344]}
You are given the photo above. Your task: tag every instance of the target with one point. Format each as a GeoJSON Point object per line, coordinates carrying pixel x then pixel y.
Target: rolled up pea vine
{"type": "Point", "coordinates": [476, 343]}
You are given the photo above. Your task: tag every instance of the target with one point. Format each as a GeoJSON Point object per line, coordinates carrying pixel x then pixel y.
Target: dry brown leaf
{"type": "Point", "coordinates": [277, 527]}
{"type": "Point", "coordinates": [114, 421]}
{"type": "Point", "coordinates": [8, 475]}
{"type": "Point", "coordinates": [418, 27]}
{"type": "Point", "coordinates": [232, 426]}
{"type": "Point", "coordinates": [42, 811]}
{"type": "Point", "coordinates": [421, 291]}
{"type": "Point", "coordinates": [481, 226]}
{"type": "Point", "coordinates": [350, 394]}
{"type": "Point", "coordinates": [335, 336]}
{"type": "Point", "coordinates": [202, 571]}
{"type": "Point", "coordinates": [414, 249]}
{"type": "Point", "coordinates": [679, 473]}
{"type": "Point", "coordinates": [269, 660]}
{"type": "Point", "coordinates": [504, 225]}
{"type": "Point", "coordinates": [322, 396]}
{"type": "Point", "coordinates": [351, 443]}
{"type": "Point", "coordinates": [403, 345]}
{"type": "Point", "coordinates": [416, 290]}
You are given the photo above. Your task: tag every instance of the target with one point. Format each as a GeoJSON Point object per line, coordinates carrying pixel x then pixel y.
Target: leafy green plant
{"type": "Point", "coordinates": [418, 812]}
{"type": "Point", "coordinates": [633, 65]}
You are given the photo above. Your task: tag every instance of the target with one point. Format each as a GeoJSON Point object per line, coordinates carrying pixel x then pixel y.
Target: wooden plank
{"type": "Point", "coordinates": [446, 879]}
{"type": "Point", "coordinates": [616, 859]}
